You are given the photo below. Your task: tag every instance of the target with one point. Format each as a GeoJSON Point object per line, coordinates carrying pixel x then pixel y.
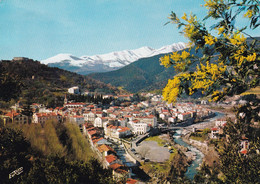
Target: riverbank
{"type": "Point", "coordinates": [210, 154]}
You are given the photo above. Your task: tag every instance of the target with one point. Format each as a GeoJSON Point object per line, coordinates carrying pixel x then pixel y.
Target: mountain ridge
{"type": "Point", "coordinates": [107, 62]}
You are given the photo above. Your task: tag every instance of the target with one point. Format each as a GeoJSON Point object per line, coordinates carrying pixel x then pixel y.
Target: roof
{"type": "Point", "coordinates": [244, 151]}
{"type": "Point", "coordinates": [115, 166]}
{"type": "Point", "coordinates": [102, 148]}
{"type": "Point", "coordinates": [131, 181]}
{"type": "Point", "coordinates": [111, 158]}
{"type": "Point", "coordinates": [97, 140]}
{"type": "Point", "coordinates": [78, 103]}
{"type": "Point", "coordinates": [244, 138]}
{"type": "Point", "coordinates": [123, 129]}
{"type": "Point", "coordinates": [46, 114]}
{"type": "Point", "coordinates": [214, 129]}
{"type": "Point", "coordinates": [12, 114]}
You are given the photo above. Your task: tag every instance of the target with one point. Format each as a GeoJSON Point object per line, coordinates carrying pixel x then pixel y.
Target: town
{"type": "Point", "coordinates": [114, 131]}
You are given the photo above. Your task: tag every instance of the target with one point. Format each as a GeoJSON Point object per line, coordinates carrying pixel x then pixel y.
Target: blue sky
{"type": "Point", "coordinates": [40, 29]}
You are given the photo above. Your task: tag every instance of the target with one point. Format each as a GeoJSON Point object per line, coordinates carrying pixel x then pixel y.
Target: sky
{"type": "Point", "coordinates": [40, 29]}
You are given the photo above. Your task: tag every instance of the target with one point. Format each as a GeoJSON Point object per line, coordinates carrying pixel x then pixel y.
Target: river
{"type": "Point", "coordinates": [192, 169]}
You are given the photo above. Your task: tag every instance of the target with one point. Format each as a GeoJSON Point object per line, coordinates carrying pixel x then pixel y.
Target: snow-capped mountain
{"type": "Point", "coordinates": [107, 62]}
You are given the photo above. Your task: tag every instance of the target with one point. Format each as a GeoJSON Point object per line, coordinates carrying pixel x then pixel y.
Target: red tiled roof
{"type": "Point", "coordinates": [131, 181]}
{"type": "Point", "coordinates": [92, 132]}
{"type": "Point", "coordinates": [104, 147]}
{"type": "Point", "coordinates": [12, 114]}
{"type": "Point", "coordinates": [244, 151]}
{"type": "Point", "coordinates": [124, 129]}
{"type": "Point", "coordinates": [115, 166]}
{"type": "Point", "coordinates": [78, 103]}
{"type": "Point", "coordinates": [244, 138]}
{"type": "Point", "coordinates": [214, 129]}
{"type": "Point", "coordinates": [96, 140]}
{"type": "Point", "coordinates": [111, 158]}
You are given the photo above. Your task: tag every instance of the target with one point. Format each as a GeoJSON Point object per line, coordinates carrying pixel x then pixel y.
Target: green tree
{"type": "Point", "coordinates": [229, 66]}
{"type": "Point", "coordinates": [15, 152]}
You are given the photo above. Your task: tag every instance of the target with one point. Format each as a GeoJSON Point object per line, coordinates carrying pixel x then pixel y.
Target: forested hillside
{"type": "Point", "coordinates": [31, 81]}
{"type": "Point", "coordinates": [52, 153]}
{"type": "Point", "coordinates": [143, 75]}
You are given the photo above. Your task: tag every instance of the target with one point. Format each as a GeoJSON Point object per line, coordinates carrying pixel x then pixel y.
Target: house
{"type": "Point", "coordinates": [172, 119]}
{"type": "Point", "coordinates": [131, 181]}
{"type": "Point", "coordinates": [151, 119]}
{"type": "Point", "coordinates": [43, 117]}
{"type": "Point", "coordinates": [184, 116]}
{"type": "Point", "coordinates": [74, 90]}
{"type": "Point", "coordinates": [89, 116]}
{"type": "Point", "coordinates": [117, 131]}
{"type": "Point", "coordinates": [214, 133]}
{"type": "Point", "coordinates": [111, 159]}
{"type": "Point", "coordinates": [99, 121]}
{"type": "Point", "coordinates": [124, 132]}
{"type": "Point", "coordinates": [14, 117]}
{"type": "Point", "coordinates": [124, 97]}
{"type": "Point", "coordinates": [79, 120]}
{"type": "Point", "coordinates": [139, 127]}
{"type": "Point", "coordinates": [119, 171]}
{"type": "Point", "coordinates": [244, 143]}
{"type": "Point", "coordinates": [106, 150]}
{"type": "Point", "coordinates": [75, 105]}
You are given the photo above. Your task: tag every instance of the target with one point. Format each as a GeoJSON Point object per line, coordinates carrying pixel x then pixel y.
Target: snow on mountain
{"type": "Point", "coordinates": [110, 61]}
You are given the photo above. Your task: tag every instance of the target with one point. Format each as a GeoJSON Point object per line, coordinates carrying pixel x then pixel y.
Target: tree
{"type": "Point", "coordinates": [229, 66]}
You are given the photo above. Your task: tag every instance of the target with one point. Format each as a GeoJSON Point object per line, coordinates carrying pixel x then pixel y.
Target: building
{"type": "Point", "coordinates": [79, 120]}
{"type": "Point", "coordinates": [43, 117]}
{"type": "Point", "coordinates": [14, 117]}
{"type": "Point", "coordinates": [99, 121]}
{"type": "Point", "coordinates": [139, 127]}
{"type": "Point", "coordinates": [75, 105]}
{"type": "Point", "coordinates": [214, 133]}
{"type": "Point", "coordinates": [74, 90]}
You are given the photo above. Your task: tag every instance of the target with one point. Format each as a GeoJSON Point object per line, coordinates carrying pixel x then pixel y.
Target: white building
{"type": "Point", "coordinates": [77, 119]}
{"type": "Point", "coordinates": [43, 117]}
{"type": "Point", "coordinates": [184, 116]}
{"type": "Point", "coordinates": [89, 116]}
{"type": "Point", "coordinates": [99, 121]}
{"type": "Point", "coordinates": [74, 90]}
{"type": "Point", "coordinates": [139, 127]}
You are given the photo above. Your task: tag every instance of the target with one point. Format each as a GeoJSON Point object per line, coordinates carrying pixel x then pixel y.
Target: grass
{"type": "Point", "coordinates": [255, 91]}
{"type": "Point", "coordinates": [201, 139]}
{"type": "Point", "coordinates": [157, 139]}
{"type": "Point", "coordinates": [160, 169]}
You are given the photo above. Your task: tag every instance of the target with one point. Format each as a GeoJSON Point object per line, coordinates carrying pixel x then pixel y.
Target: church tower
{"type": "Point", "coordinates": [65, 99]}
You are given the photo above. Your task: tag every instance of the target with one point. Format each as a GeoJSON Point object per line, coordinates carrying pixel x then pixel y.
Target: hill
{"type": "Point", "coordinates": [145, 74]}
{"type": "Point", "coordinates": [52, 153]}
{"type": "Point", "coordinates": [107, 62]}
{"type": "Point", "coordinates": [30, 81]}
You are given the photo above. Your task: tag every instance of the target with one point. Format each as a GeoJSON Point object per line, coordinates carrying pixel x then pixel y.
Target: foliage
{"type": "Point", "coordinates": [9, 85]}
{"type": "Point", "coordinates": [79, 148]}
{"type": "Point", "coordinates": [229, 65]}
{"type": "Point", "coordinates": [157, 139]}
{"type": "Point", "coordinates": [177, 168]}
{"type": "Point", "coordinates": [143, 75]}
{"type": "Point", "coordinates": [16, 152]}
{"type": "Point", "coordinates": [32, 82]}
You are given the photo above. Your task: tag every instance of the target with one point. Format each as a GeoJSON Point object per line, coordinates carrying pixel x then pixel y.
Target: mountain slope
{"type": "Point", "coordinates": [35, 82]}
{"type": "Point", "coordinates": [107, 62]}
{"type": "Point", "coordinates": [143, 75]}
